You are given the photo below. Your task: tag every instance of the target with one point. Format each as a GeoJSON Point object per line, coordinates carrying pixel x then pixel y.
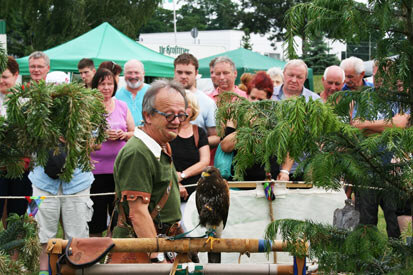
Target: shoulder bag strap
{"type": "Point", "coordinates": [158, 207]}
{"type": "Point", "coordinates": [196, 135]}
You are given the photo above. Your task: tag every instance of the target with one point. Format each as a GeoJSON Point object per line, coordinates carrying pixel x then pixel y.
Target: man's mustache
{"type": "Point", "coordinates": [134, 78]}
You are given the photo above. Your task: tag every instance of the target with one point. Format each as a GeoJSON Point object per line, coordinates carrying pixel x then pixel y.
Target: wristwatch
{"type": "Point", "coordinates": [183, 175]}
{"type": "Point", "coordinates": [285, 171]}
{"type": "Point", "coordinates": [159, 259]}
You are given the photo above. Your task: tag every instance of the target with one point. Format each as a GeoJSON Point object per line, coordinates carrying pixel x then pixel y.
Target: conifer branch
{"type": "Point", "coordinates": [40, 115]}
{"type": "Point", "coordinates": [362, 251]}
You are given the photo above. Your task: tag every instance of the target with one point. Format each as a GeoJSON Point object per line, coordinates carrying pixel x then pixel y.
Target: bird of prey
{"type": "Point", "coordinates": [212, 202]}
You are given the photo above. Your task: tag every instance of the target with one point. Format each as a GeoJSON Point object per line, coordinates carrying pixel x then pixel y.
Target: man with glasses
{"type": "Point", "coordinates": [146, 181]}
{"type": "Point", "coordinates": [135, 89]}
{"type": "Point", "coordinates": [39, 66]}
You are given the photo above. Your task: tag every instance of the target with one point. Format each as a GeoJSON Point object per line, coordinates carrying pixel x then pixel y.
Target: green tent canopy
{"type": "Point", "coordinates": [104, 43]}
{"type": "Point", "coordinates": [247, 61]}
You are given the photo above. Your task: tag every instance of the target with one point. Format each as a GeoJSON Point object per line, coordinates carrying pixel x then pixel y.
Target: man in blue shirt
{"type": "Point", "coordinates": [75, 212]}
{"type": "Point", "coordinates": [295, 74]}
{"type": "Point", "coordinates": [354, 71]}
{"type": "Point", "coordinates": [135, 89]}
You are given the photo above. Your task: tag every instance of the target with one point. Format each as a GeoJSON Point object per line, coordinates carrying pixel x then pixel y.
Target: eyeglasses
{"type": "Point", "coordinates": [170, 117]}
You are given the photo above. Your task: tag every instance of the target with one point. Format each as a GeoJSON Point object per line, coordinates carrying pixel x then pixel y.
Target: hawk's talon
{"type": "Point", "coordinates": [211, 240]}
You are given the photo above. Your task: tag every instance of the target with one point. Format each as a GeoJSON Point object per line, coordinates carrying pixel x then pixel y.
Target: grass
{"type": "Point", "coordinates": [381, 224]}
{"type": "Point", "coordinates": [318, 86]}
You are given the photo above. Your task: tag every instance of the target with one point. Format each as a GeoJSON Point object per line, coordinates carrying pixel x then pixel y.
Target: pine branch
{"type": "Point", "coordinates": [364, 250]}
{"type": "Point", "coordinates": [40, 115]}
{"type": "Point", "coordinates": [21, 234]}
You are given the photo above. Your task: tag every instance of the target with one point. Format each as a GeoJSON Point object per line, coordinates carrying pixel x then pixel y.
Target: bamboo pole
{"type": "Point", "coordinates": [56, 246]}
{"type": "Point", "coordinates": [187, 245]}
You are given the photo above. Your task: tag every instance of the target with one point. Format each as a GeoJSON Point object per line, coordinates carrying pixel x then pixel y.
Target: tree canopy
{"type": "Point", "coordinates": [204, 15]}
{"type": "Point", "coordinates": [39, 25]}
{"type": "Point", "coordinates": [266, 16]}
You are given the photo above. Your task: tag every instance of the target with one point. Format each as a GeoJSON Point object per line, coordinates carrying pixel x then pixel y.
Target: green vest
{"type": "Point", "coordinates": [137, 169]}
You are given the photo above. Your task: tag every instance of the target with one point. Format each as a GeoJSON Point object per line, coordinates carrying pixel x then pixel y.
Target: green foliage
{"type": "Point", "coordinates": [389, 22]}
{"type": "Point", "coordinates": [246, 40]}
{"type": "Point", "coordinates": [213, 14]}
{"type": "Point", "coordinates": [348, 154]}
{"type": "Point", "coordinates": [362, 251]}
{"type": "Point", "coordinates": [318, 85]}
{"type": "Point", "coordinates": [264, 128]}
{"type": "Point", "coordinates": [335, 152]}
{"type": "Point", "coordinates": [39, 115]}
{"type": "Point", "coordinates": [160, 21]}
{"type": "Point", "coordinates": [266, 16]}
{"type": "Point", "coordinates": [204, 15]}
{"type": "Point", "coordinates": [58, 21]}
{"type": "Point", "coordinates": [316, 56]}
{"type": "Point", "coordinates": [21, 235]}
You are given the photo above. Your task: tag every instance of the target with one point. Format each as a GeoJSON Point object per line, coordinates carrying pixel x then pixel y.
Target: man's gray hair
{"type": "Point", "coordinates": [353, 62]}
{"type": "Point", "coordinates": [295, 63]}
{"type": "Point", "coordinates": [129, 62]}
{"type": "Point", "coordinates": [38, 54]}
{"type": "Point", "coordinates": [274, 72]}
{"type": "Point", "coordinates": [331, 67]}
{"type": "Point", "coordinates": [225, 59]}
{"type": "Point", "coordinates": [148, 104]}
{"type": "Point", "coordinates": [212, 62]}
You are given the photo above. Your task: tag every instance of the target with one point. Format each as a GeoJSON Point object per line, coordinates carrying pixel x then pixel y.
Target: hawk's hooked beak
{"type": "Point", "coordinates": [205, 174]}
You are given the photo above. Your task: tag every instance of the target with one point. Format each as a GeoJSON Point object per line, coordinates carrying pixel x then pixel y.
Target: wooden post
{"type": "Point", "coordinates": [57, 246]}
{"type": "Point", "coordinates": [189, 245]}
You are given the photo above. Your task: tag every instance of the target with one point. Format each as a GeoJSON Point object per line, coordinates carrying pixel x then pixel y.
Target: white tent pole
{"type": "Point", "coordinates": [173, 1]}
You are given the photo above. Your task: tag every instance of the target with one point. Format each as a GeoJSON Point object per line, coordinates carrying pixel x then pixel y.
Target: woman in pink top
{"type": "Point", "coordinates": [121, 127]}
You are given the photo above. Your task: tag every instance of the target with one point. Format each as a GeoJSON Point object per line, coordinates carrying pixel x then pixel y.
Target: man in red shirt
{"type": "Point", "coordinates": [225, 74]}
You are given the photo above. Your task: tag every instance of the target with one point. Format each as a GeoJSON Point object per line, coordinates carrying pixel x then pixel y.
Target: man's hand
{"type": "Point", "coordinates": [183, 192]}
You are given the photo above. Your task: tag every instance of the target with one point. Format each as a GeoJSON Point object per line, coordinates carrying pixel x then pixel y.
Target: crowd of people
{"type": "Point", "coordinates": [161, 137]}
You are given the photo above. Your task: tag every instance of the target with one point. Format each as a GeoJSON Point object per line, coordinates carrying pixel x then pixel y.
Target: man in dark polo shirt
{"type": "Point", "coordinates": [144, 171]}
